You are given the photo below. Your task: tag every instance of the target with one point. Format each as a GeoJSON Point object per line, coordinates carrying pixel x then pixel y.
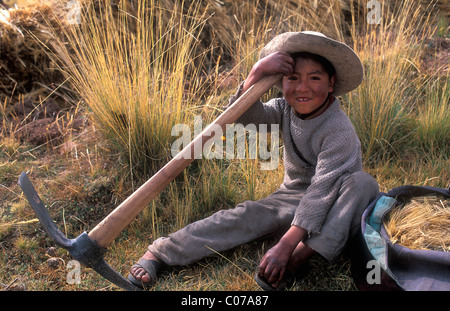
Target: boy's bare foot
{"type": "Point", "coordinates": [140, 273]}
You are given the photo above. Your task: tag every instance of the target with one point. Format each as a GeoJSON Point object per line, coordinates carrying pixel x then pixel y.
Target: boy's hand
{"type": "Point", "coordinates": [272, 64]}
{"type": "Point", "coordinates": [274, 263]}
{"type": "Point", "coordinates": [275, 63]}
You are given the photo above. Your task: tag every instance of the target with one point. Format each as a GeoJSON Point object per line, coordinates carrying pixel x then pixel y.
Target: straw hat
{"type": "Point", "coordinates": [349, 70]}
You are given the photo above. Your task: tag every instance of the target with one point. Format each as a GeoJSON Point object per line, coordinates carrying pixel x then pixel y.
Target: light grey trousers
{"type": "Point", "coordinates": [252, 220]}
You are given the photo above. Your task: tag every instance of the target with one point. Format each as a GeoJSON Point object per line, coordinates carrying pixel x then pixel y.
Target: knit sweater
{"type": "Point", "coordinates": [329, 150]}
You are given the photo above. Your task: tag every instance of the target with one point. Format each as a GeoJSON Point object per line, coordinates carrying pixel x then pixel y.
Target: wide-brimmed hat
{"type": "Point", "coordinates": [349, 70]}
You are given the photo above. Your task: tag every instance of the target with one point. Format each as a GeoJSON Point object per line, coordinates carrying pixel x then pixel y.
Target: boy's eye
{"type": "Point", "coordinates": [315, 78]}
{"type": "Point", "coordinates": [292, 78]}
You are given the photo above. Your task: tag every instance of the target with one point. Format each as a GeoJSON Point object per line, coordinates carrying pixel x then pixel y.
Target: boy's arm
{"type": "Point", "coordinates": [340, 157]}
{"type": "Point", "coordinates": [270, 112]}
{"type": "Point", "coordinates": [333, 162]}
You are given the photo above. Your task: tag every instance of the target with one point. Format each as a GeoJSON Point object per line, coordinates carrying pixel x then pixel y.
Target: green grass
{"type": "Point", "coordinates": [140, 73]}
{"type": "Point", "coordinates": [381, 107]}
{"type": "Point", "coordinates": [432, 122]}
{"type": "Point", "coordinates": [132, 73]}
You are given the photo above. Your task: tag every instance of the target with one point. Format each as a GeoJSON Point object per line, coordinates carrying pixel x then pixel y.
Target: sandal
{"type": "Point", "coordinates": [152, 267]}
{"type": "Point", "coordinates": [287, 281]}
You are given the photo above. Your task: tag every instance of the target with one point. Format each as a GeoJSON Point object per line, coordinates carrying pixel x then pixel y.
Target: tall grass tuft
{"type": "Point", "coordinates": [132, 72]}
{"type": "Point", "coordinates": [432, 122]}
{"type": "Point", "coordinates": [390, 52]}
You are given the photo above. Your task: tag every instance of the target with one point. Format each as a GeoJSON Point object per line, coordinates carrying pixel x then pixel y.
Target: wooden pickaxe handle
{"type": "Point", "coordinates": [113, 224]}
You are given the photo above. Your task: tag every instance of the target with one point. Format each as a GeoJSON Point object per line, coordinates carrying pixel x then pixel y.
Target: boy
{"type": "Point", "coordinates": [324, 192]}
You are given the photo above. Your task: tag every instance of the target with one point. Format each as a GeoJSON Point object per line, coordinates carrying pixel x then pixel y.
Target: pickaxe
{"type": "Point", "coordinates": [89, 248]}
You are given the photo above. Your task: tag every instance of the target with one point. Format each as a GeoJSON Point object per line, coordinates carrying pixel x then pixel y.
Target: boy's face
{"type": "Point", "coordinates": [308, 86]}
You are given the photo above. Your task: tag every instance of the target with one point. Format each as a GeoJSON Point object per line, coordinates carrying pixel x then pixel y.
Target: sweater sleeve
{"type": "Point", "coordinates": [259, 113]}
{"type": "Point", "coordinates": [340, 156]}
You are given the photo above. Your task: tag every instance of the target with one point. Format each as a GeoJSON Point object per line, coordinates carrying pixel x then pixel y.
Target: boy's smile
{"type": "Point", "coordinates": [307, 88]}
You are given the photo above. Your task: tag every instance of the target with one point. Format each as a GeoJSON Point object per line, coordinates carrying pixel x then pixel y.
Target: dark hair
{"type": "Point", "coordinates": [329, 68]}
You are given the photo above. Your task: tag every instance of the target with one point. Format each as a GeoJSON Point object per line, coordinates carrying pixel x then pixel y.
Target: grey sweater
{"type": "Point", "coordinates": [329, 150]}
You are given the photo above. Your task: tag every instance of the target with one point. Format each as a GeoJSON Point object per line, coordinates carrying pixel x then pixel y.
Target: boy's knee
{"type": "Point", "coordinates": [363, 183]}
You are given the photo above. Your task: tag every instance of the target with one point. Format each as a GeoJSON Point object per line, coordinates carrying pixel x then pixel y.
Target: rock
{"type": "Point", "coordinates": [54, 262]}
{"type": "Point", "coordinates": [51, 251]}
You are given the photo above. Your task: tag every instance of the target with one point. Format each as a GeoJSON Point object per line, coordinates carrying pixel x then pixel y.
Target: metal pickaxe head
{"type": "Point", "coordinates": [83, 248]}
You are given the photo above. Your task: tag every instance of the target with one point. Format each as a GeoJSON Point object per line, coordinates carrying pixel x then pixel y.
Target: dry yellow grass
{"type": "Point", "coordinates": [422, 223]}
